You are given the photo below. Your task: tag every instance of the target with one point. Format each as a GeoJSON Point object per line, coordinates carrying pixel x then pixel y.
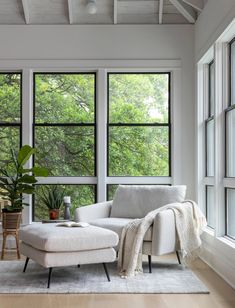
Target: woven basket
{"type": "Point", "coordinates": [11, 221]}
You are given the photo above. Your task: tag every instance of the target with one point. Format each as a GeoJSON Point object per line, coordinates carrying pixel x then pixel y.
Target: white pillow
{"type": "Point", "coordinates": [135, 201]}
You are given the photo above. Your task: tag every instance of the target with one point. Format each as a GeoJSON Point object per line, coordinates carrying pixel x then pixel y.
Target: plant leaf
{"type": "Point", "coordinates": [24, 154]}
{"type": "Point", "coordinates": [29, 179]}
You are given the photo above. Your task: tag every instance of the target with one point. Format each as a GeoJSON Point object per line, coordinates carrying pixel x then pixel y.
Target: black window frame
{"type": "Point", "coordinates": [141, 124]}
{"type": "Point", "coordinates": [15, 124]}
{"type": "Point", "coordinates": [46, 124]}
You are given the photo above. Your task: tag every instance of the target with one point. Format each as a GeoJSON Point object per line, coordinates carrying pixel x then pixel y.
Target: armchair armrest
{"type": "Point", "coordinates": [164, 233]}
{"type": "Point", "coordinates": [93, 211]}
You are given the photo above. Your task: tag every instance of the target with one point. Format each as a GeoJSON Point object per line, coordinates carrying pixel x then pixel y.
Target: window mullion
{"type": "Point", "coordinates": [219, 143]}
{"type": "Point", "coordinates": [27, 132]}
{"type": "Point", "coordinates": [101, 147]}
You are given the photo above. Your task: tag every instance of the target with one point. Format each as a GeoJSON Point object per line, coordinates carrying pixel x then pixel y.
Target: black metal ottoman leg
{"type": "Point", "coordinates": [150, 263]}
{"type": "Point", "coordinates": [49, 277]}
{"type": "Point", "coordinates": [25, 265]}
{"type": "Point", "coordinates": [178, 256]}
{"type": "Point", "coordinates": [106, 271]}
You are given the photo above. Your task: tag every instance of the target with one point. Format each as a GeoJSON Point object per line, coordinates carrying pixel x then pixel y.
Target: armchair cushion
{"type": "Point", "coordinates": [117, 224]}
{"type": "Point", "coordinates": [136, 201]}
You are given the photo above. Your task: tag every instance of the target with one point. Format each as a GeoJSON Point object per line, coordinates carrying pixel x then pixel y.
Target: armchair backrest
{"type": "Point", "coordinates": [136, 201]}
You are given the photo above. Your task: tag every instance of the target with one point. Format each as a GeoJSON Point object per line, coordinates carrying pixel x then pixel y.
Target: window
{"type": "Point", "coordinates": [230, 118]}
{"type": "Point", "coordinates": [139, 124]}
{"type": "Point", "coordinates": [210, 206]}
{"type": "Point", "coordinates": [210, 145]}
{"type": "Point", "coordinates": [111, 191]}
{"type": "Point", "coordinates": [80, 195]}
{"type": "Point", "coordinates": [90, 153]}
{"type": "Point", "coordinates": [210, 151]}
{"type": "Point", "coordinates": [232, 72]}
{"type": "Point", "coordinates": [230, 150]}
{"type": "Point", "coordinates": [230, 141]}
{"type": "Point", "coordinates": [65, 132]}
{"type": "Point", "coordinates": [10, 114]}
{"type": "Point", "coordinates": [64, 123]}
{"type": "Point", "coordinates": [230, 213]}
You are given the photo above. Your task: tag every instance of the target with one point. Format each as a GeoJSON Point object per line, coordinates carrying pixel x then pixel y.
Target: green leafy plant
{"type": "Point", "coordinates": [52, 197]}
{"type": "Point", "coordinates": [15, 180]}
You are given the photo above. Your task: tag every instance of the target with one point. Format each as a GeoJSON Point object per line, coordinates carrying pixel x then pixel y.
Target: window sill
{"type": "Point", "coordinates": [226, 241]}
{"type": "Point", "coordinates": [210, 231]}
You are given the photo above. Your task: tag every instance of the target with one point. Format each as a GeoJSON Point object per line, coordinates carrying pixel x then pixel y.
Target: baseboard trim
{"type": "Point", "coordinates": [220, 257]}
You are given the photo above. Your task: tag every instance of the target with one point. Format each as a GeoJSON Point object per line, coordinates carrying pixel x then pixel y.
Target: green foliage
{"type": "Point", "coordinates": [69, 150]}
{"type": "Point", "coordinates": [13, 186]}
{"type": "Point", "coordinates": [52, 197]}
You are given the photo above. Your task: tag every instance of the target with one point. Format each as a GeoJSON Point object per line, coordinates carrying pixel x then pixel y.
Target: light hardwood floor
{"type": "Point", "coordinates": [221, 296]}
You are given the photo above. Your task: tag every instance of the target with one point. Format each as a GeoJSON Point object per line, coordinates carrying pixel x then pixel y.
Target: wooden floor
{"type": "Point", "coordinates": [221, 296]}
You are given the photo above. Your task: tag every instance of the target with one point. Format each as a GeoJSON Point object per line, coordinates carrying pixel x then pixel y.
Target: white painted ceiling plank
{"type": "Point", "coordinates": [25, 4]}
{"type": "Point", "coordinates": [115, 12]}
{"type": "Point", "coordinates": [196, 4]}
{"type": "Point", "coordinates": [160, 11]}
{"type": "Point", "coordinates": [185, 10]}
{"type": "Point", "coordinates": [70, 10]}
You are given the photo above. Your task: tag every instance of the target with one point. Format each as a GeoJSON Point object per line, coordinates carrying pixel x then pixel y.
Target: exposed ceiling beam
{"type": "Point", "coordinates": [160, 11]}
{"type": "Point", "coordinates": [186, 10]}
{"type": "Point", "coordinates": [25, 4]}
{"type": "Point", "coordinates": [115, 9]}
{"type": "Point", "coordinates": [70, 10]}
{"type": "Point", "coordinates": [196, 4]}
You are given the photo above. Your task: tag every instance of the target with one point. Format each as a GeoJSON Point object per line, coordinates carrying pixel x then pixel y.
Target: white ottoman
{"type": "Point", "coordinates": [53, 246]}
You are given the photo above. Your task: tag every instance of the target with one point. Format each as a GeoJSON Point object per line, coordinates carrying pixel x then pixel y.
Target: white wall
{"type": "Point", "coordinates": [213, 20]}
{"type": "Point", "coordinates": [115, 42]}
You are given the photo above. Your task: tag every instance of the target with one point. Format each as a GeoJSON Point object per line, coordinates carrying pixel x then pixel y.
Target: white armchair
{"type": "Point", "coordinates": [135, 201]}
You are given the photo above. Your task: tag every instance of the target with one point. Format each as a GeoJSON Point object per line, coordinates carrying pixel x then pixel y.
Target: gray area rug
{"type": "Point", "coordinates": [165, 278]}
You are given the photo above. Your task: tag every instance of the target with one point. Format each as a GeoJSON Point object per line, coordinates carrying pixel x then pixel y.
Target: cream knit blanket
{"type": "Point", "coordinates": [189, 221]}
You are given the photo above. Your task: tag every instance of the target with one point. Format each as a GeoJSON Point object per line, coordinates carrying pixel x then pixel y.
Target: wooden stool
{"type": "Point", "coordinates": [10, 226]}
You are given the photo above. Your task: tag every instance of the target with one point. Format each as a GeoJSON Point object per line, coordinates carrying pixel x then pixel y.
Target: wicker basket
{"type": "Point", "coordinates": [11, 221]}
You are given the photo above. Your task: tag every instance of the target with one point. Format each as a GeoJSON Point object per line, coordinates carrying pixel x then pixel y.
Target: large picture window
{"type": "Point", "coordinates": [93, 129]}
{"type": "Point", "coordinates": [10, 114]}
{"type": "Point", "coordinates": [65, 132]}
{"type": "Point", "coordinates": [139, 124]}
{"type": "Point", "coordinates": [64, 123]}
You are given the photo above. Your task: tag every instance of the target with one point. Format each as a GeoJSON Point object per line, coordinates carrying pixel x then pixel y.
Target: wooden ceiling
{"type": "Point", "coordinates": [45, 12]}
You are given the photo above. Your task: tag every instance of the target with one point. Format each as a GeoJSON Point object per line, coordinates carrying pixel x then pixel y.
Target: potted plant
{"type": "Point", "coordinates": [52, 198]}
{"type": "Point", "coordinates": [15, 180]}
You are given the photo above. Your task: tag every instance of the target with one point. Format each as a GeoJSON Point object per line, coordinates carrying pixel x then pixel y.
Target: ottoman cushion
{"type": "Point", "coordinates": [54, 259]}
{"type": "Point", "coordinates": [49, 237]}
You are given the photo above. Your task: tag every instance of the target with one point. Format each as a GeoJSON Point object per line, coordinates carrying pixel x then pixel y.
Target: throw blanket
{"type": "Point", "coordinates": [189, 221]}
